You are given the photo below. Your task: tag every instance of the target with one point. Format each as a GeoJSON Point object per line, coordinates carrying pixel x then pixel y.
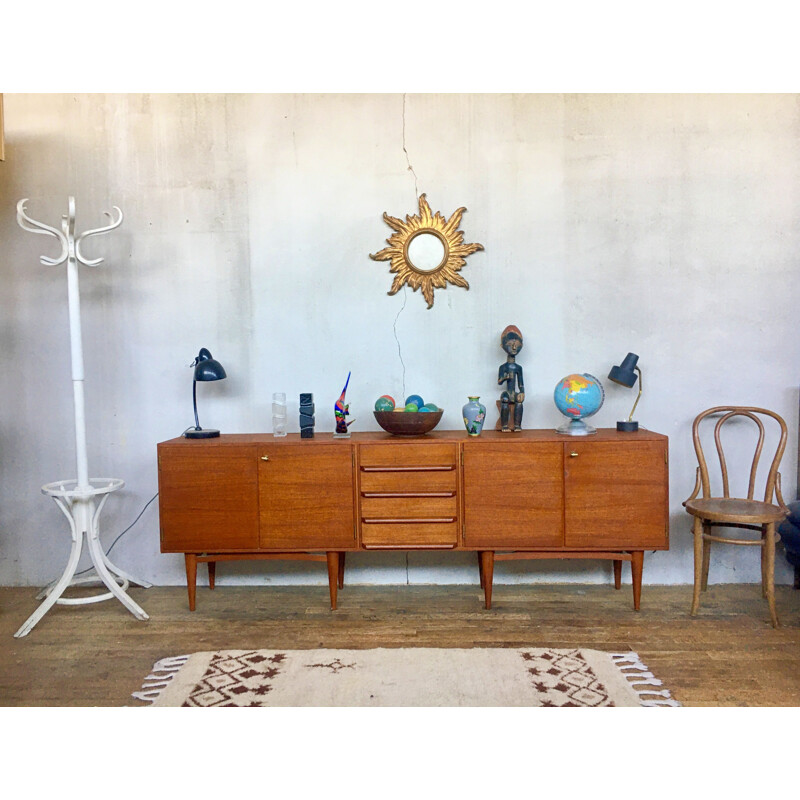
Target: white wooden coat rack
{"type": "Point", "coordinates": [80, 499]}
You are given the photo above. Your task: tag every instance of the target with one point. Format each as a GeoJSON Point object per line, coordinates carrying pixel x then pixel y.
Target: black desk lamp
{"type": "Point", "coordinates": [625, 375]}
{"type": "Point", "coordinates": [205, 369]}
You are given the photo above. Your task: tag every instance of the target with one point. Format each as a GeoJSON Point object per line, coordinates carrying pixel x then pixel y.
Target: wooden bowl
{"type": "Point", "coordinates": [408, 423]}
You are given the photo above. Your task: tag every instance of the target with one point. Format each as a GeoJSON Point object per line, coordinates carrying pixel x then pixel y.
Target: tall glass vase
{"type": "Point", "coordinates": [279, 414]}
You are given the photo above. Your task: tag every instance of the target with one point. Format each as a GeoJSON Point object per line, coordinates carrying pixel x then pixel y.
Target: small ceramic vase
{"type": "Point", "coordinates": [474, 414]}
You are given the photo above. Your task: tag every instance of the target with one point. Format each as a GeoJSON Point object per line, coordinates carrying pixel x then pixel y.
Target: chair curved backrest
{"type": "Point", "coordinates": [754, 414]}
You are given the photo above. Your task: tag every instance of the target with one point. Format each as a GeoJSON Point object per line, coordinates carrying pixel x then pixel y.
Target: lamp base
{"type": "Point", "coordinates": [201, 433]}
{"type": "Point", "coordinates": [628, 426]}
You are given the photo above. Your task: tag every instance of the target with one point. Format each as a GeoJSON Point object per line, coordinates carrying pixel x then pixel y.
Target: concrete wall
{"type": "Point", "coordinates": [664, 225]}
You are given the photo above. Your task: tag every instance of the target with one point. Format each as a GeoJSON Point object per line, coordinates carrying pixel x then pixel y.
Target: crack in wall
{"type": "Point", "coordinates": [408, 160]}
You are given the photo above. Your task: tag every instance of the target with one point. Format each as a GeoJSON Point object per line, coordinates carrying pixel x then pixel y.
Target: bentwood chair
{"type": "Point", "coordinates": [733, 512]}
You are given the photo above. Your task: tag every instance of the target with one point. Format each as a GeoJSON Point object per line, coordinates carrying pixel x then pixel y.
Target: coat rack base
{"type": "Point", "coordinates": [81, 506]}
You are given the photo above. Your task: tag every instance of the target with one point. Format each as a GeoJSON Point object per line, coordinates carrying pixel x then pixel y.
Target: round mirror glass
{"type": "Point", "coordinates": [425, 252]}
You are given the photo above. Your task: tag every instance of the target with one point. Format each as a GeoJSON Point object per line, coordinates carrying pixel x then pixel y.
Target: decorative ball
{"type": "Point", "coordinates": [416, 400]}
{"type": "Point", "coordinates": [384, 404]}
{"type": "Point", "coordinates": [412, 407]}
{"type": "Point", "coordinates": [390, 399]}
{"type": "Point", "coordinates": [429, 407]}
{"type": "Point", "coordinates": [426, 409]}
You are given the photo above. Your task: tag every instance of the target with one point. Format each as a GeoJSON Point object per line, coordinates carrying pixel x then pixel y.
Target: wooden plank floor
{"type": "Point", "coordinates": [97, 655]}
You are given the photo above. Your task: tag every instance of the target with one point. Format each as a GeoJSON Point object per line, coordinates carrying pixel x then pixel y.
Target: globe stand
{"type": "Point", "coordinates": [576, 427]}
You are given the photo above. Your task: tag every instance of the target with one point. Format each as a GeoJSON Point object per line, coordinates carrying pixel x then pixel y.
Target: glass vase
{"type": "Point", "coordinates": [279, 414]}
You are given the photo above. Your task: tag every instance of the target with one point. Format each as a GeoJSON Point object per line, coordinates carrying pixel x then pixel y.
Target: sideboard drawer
{"type": "Point", "coordinates": [406, 535]}
{"type": "Point", "coordinates": [404, 456]}
{"type": "Point", "coordinates": [409, 507]}
{"type": "Point", "coordinates": [411, 482]}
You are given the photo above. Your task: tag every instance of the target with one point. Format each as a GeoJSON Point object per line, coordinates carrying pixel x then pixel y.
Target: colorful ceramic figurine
{"type": "Point", "coordinates": [510, 373]}
{"type": "Point", "coordinates": [341, 411]}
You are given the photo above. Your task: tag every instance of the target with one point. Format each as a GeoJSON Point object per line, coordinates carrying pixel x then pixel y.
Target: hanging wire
{"type": "Point", "coordinates": [408, 160]}
{"type": "Point", "coordinates": [405, 295]}
{"type": "Point", "coordinates": [139, 516]}
{"type": "Point", "coordinates": [396, 338]}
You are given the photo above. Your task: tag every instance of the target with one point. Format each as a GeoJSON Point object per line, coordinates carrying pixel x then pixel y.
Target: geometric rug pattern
{"type": "Point", "coordinates": [545, 677]}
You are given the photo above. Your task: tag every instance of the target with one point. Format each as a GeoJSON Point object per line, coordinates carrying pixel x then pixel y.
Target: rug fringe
{"type": "Point", "coordinates": [637, 674]}
{"type": "Point", "coordinates": [159, 678]}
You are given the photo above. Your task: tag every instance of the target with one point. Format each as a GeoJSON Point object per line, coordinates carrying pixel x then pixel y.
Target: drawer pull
{"type": "Point", "coordinates": [403, 521]}
{"type": "Point", "coordinates": [409, 547]}
{"type": "Point", "coordinates": [573, 454]}
{"type": "Point", "coordinates": [408, 494]}
{"type": "Point", "coordinates": [265, 458]}
{"type": "Point", "coordinates": [448, 468]}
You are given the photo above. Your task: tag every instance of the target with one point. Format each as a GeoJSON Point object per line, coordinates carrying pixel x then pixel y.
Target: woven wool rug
{"type": "Point", "coordinates": [404, 677]}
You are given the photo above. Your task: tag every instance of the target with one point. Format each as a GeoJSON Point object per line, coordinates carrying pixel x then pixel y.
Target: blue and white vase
{"type": "Point", "coordinates": [474, 414]}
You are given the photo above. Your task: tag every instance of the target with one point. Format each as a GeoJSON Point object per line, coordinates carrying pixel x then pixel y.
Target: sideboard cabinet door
{"type": "Point", "coordinates": [306, 497]}
{"type": "Point", "coordinates": [513, 494]}
{"type": "Point", "coordinates": [208, 497]}
{"type": "Point", "coordinates": [616, 494]}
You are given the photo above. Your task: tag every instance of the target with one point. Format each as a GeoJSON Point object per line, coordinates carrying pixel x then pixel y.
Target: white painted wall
{"type": "Point", "coordinates": [665, 225]}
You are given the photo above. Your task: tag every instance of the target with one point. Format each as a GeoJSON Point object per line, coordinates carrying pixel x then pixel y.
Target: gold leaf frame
{"type": "Point", "coordinates": [452, 239]}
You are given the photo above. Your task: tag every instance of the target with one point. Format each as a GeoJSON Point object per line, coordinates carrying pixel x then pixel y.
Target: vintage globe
{"type": "Point", "coordinates": [577, 397]}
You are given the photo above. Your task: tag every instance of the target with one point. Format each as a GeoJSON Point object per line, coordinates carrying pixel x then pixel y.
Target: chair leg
{"type": "Point", "coordinates": [697, 529]}
{"type": "Point", "coordinates": [763, 561]}
{"type": "Point", "coordinates": [706, 559]}
{"type": "Point", "coordinates": [769, 555]}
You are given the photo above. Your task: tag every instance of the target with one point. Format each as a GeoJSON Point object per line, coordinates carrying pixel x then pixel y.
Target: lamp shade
{"type": "Point", "coordinates": [625, 373]}
{"type": "Point", "coordinates": [207, 368]}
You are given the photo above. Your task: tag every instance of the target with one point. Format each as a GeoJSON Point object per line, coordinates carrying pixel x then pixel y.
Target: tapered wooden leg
{"type": "Point", "coordinates": [191, 578]}
{"type": "Point", "coordinates": [769, 552]}
{"type": "Point", "coordinates": [697, 530]}
{"type": "Point", "coordinates": [341, 570]}
{"type": "Point", "coordinates": [763, 561]}
{"type": "Point", "coordinates": [706, 560]}
{"type": "Point", "coordinates": [637, 562]}
{"type": "Point", "coordinates": [333, 576]}
{"type": "Point", "coordinates": [617, 574]}
{"type": "Point", "coordinates": [480, 567]}
{"type": "Point", "coordinates": [487, 564]}
{"type": "Point", "coordinates": [212, 574]}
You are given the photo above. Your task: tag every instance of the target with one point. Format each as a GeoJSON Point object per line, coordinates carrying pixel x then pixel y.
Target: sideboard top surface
{"type": "Point", "coordinates": [537, 435]}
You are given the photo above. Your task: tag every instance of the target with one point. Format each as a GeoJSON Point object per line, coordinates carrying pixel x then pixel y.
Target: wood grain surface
{"type": "Point", "coordinates": [729, 655]}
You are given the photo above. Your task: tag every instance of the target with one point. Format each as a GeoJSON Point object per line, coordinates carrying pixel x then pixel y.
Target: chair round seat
{"type": "Point", "coordinates": [732, 509]}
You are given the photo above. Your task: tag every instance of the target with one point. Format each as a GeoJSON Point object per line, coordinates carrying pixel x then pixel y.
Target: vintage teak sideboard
{"type": "Point", "coordinates": [532, 494]}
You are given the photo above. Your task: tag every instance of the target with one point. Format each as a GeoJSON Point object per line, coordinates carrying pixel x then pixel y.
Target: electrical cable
{"type": "Point", "coordinates": [89, 569]}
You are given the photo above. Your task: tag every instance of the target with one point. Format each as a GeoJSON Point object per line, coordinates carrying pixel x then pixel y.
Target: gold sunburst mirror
{"type": "Point", "coordinates": [426, 251]}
